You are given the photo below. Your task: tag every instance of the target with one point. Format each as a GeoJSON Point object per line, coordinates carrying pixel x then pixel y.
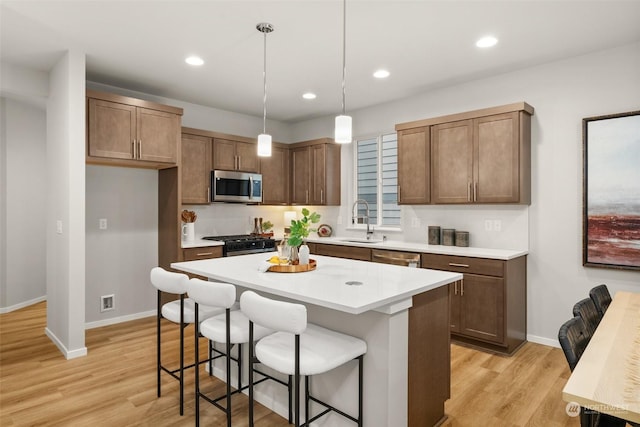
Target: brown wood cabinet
{"type": "Point", "coordinates": [275, 176]}
{"type": "Point", "coordinates": [481, 156]}
{"type": "Point", "coordinates": [315, 173]}
{"type": "Point", "coordinates": [414, 168]}
{"type": "Point", "coordinates": [206, 252]}
{"type": "Point", "coordinates": [235, 155]}
{"type": "Point", "coordinates": [488, 306]}
{"type": "Point", "coordinates": [196, 169]}
{"type": "Point", "coordinates": [125, 131]}
{"type": "Point", "coordinates": [340, 251]}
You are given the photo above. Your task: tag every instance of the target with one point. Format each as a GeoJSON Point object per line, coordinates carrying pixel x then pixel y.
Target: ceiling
{"type": "Point", "coordinates": [141, 45]}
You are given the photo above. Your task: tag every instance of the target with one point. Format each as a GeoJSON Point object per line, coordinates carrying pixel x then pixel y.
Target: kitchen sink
{"type": "Point", "coordinates": [359, 240]}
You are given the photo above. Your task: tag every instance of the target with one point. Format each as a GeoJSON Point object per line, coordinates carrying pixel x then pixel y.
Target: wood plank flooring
{"type": "Point", "coordinates": [115, 384]}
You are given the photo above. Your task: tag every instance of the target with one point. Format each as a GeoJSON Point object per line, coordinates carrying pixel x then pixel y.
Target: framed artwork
{"type": "Point", "coordinates": [611, 219]}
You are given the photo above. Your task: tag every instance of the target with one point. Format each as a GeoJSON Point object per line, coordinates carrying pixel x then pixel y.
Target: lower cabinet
{"type": "Point", "coordinates": [488, 306]}
{"type": "Point", "coordinates": [339, 251]}
{"type": "Point", "coordinates": [206, 252]}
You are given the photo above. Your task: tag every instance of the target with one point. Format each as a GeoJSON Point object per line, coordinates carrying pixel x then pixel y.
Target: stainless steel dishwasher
{"type": "Point", "coordinates": [409, 259]}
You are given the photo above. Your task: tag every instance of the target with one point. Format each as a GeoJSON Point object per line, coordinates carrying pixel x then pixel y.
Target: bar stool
{"type": "Point", "coordinates": [586, 309]}
{"type": "Point", "coordinates": [229, 328]}
{"type": "Point", "coordinates": [299, 348]}
{"type": "Point", "coordinates": [181, 312]}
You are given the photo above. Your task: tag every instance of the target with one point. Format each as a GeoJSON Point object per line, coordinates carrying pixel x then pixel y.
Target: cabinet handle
{"type": "Point", "coordinates": [455, 287]}
{"type": "Point", "coordinates": [469, 192]}
{"type": "Point", "coordinates": [133, 149]}
{"type": "Point", "coordinates": [139, 149]}
{"type": "Point", "coordinates": [321, 196]}
{"type": "Point", "coordinates": [306, 196]}
{"type": "Point", "coordinates": [204, 253]}
{"type": "Point", "coordinates": [239, 163]}
{"type": "Point", "coordinates": [453, 264]}
{"type": "Point", "coordinates": [462, 287]}
{"type": "Point", "coordinates": [475, 191]}
{"type": "Point", "coordinates": [208, 194]}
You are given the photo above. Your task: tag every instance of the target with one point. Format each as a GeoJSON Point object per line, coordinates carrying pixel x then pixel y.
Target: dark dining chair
{"type": "Point", "coordinates": [601, 298]}
{"type": "Point", "coordinates": [587, 310]}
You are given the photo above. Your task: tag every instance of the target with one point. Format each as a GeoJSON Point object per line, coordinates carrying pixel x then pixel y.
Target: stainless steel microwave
{"type": "Point", "coordinates": [240, 187]}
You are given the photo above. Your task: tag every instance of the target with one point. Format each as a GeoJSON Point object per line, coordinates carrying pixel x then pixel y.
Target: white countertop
{"type": "Point", "coordinates": [201, 243]}
{"type": "Point", "coordinates": [382, 286]}
{"type": "Point", "coordinates": [502, 254]}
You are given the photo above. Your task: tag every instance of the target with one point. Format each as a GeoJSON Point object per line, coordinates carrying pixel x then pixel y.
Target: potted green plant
{"type": "Point", "coordinates": [300, 229]}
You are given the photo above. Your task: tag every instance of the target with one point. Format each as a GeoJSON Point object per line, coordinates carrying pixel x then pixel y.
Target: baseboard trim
{"type": "Point", "coordinates": [115, 320]}
{"type": "Point", "coordinates": [24, 304]}
{"type": "Point", "coordinates": [543, 340]}
{"type": "Point", "coordinates": [68, 354]}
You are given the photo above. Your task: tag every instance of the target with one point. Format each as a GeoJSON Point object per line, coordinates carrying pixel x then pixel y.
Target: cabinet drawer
{"type": "Point", "coordinates": [349, 252]}
{"type": "Point", "coordinates": [193, 254]}
{"type": "Point", "coordinates": [459, 264]}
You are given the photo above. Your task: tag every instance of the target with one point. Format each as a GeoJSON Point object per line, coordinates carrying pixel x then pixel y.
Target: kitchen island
{"type": "Point", "coordinates": [402, 313]}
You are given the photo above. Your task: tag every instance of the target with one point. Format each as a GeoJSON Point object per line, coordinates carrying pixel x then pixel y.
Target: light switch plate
{"type": "Point", "coordinates": [102, 223]}
{"type": "Point", "coordinates": [59, 226]}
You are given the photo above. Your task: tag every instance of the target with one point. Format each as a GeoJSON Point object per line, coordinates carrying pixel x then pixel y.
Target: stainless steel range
{"type": "Point", "coordinates": [243, 244]}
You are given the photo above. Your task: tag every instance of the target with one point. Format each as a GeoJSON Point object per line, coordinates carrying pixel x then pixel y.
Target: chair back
{"type": "Point", "coordinates": [273, 314]}
{"type": "Point", "coordinates": [587, 310]}
{"type": "Point", "coordinates": [573, 337]}
{"type": "Point", "coordinates": [168, 281]}
{"type": "Point", "coordinates": [601, 298]}
{"type": "Point", "coordinates": [213, 294]}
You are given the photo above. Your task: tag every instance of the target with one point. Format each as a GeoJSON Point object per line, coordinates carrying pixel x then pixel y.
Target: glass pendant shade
{"type": "Point", "coordinates": [264, 145]}
{"type": "Point", "coordinates": [343, 133]}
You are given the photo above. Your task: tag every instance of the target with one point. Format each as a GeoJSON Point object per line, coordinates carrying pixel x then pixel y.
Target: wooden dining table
{"type": "Point", "coordinates": [607, 377]}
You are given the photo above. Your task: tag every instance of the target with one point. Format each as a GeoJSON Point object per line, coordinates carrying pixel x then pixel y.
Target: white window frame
{"type": "Point", "coordinates": [378, 225]}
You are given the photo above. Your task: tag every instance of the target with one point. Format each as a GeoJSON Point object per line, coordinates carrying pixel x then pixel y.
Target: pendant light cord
{"type": "Point", "coordinates": [264, 79]}
{"type": "Point", "coordinates": [344, 53]}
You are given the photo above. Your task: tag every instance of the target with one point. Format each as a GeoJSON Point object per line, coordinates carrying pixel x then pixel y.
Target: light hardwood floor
{"type": "Point", "coordinates": [115, 385]}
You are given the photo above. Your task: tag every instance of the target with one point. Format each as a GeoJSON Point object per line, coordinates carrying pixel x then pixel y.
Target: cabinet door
{"type": "Point", "coordinates": [300, 176]}
{"type": "Point", "coordinates": [158, 134]}
{"type": "Point", "coordinates": [482, 307]}
{"type": "Point", "coordinates": [112, 129]}
{"type": "Point", "coordinates": [275, 177]}
{"type": "Point", "coordinates": [454, 306]}
{"type": "Point", "coordinates": [497, 154]}
{"type": "Point", "coordinates": [224, 155]}
{"type": "Point", "coordinates": [414, 171]}
{"type": "Point", "coordinates": [452, 162]}
{"type": "Point", "coordinates": [318, 175]}
{"type": "Point", "coordinates": [196, 169]}
{"type": "Point", "coordinates": [248, 160]}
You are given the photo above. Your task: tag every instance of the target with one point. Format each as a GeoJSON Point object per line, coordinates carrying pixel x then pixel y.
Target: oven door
{"type": "Point", "coordinates": [239, 187]}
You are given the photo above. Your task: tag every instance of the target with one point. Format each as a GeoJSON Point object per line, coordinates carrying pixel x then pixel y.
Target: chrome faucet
{"type": "Point", "coordinates": [355, 216]}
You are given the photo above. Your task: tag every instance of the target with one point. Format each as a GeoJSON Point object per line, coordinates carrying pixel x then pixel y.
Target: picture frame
{"type": "Point", "coordinates": [611, 191]}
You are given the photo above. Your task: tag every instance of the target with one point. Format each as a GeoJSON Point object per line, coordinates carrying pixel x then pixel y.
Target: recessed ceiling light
{"type": "Point", "coordinates": [194, 60]}
{"type": "Point", "coordinates": [381, 74]}
{"type": "Point", "coordinates": [309, 95]}
{"type": "Point", "coordinates": [487, 41]}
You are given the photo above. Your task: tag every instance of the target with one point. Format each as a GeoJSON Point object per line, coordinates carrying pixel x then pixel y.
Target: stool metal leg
{"type": "Point", "coordinates": [158, 335]}
{"type": "Point", "coordinates": [182, 326]}
{"type": "Point", "coordinates": [289, 389]}
{"type": "Point", "coordinates": [306, 400]}
{"type": "Point", "coordinates": [250, 374]}
{"type": "Point", "coordinates": [297, 380]}
{"type": "Point", "coordinates": [197, 365]}
{"type": "Point", "coordinates": [360, 389]}
{"type": "Point", "coordinates": [228, 336]}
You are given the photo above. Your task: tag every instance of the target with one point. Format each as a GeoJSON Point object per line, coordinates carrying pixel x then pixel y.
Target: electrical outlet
{"type": "Point", "coordinates": [59, 226]}
{"type": "Point", "coordinates": [106, 302]}
{"type": "Point", "coordinates": [488, 225]}
{"type": "Point", "coordinates": [497, 225]}
{"type": "Point", "coordinates": [102, 223]}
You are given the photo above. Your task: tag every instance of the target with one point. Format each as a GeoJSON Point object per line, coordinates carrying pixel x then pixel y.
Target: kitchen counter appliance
{"type": "Point", "coordinates": [239, 187]}
{"type": "Point", "coordinates": [242, 244]}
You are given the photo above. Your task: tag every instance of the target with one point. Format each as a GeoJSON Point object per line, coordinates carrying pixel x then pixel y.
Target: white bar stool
{"type": "Point", "coordinates": [299, 348]}
{"type": "Point", "coordinates": [230, 328]}
{"type": "Point", "coordinates": [181, 312]}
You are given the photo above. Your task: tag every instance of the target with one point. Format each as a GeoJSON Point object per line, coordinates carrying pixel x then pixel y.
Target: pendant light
{"type": "Point", "coordinates": [343, 133]}
{"type": "Point", "coordinates": [264, 139]}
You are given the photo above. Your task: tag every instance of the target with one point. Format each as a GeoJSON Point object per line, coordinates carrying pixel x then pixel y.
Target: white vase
{"type": "Point", "coordinates": [303, 255]}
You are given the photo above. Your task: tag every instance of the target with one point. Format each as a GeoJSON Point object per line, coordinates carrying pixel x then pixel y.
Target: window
{"type": "Point", "coordinates": [377, 179]}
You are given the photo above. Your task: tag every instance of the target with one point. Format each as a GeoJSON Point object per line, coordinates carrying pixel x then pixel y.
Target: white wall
{"type": "Point", "coordinates": [23, 195]}
{"type": "Point", "coordinates": [65, 204]}
{"type": "Point", "coordinates": [562, 93]}
{"type": "Point", "coordinates": [118, 259]}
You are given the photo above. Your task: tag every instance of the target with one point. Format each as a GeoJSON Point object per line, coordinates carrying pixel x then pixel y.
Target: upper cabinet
{"type": "Point", "coordinates": [414, 184]}
{"type": "Point", "coordinates": [315, 173]}
{"type": "Point", "coordinates": [481, 156]}
{"type": "Point", "coordinates": [131, 132]}
{"type": "Point", "coordinates": [235, 155]}
{"type": "Point", "coordinates": [275, 176]}
{"type": "Point", "coordinates": [196, 168]}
